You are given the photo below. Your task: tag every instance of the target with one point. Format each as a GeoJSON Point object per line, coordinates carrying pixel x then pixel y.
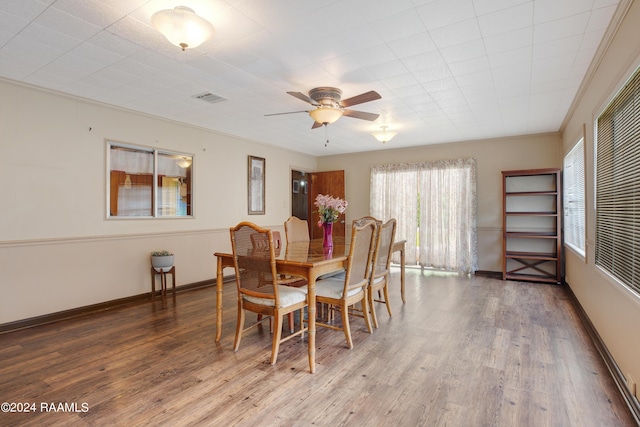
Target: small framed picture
{"type": "Point", "coordinates": [296, 186]}
{"type": "Point", "coordinates": [256, 185]}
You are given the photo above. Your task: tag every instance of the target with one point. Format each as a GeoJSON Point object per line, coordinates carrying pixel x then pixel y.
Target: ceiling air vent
{"type": "Point", "coordinates": [209, 97]}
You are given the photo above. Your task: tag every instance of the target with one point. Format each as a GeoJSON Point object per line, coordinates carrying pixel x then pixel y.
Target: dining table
{"type": "Point", "coordinates": [309, 260]}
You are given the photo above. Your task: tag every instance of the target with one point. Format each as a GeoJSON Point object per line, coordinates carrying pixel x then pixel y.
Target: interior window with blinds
{"type": "Point", "coordinates": [574, 198]}
{"type": "Point", "coordinates": [618, 186]}
{"type": "Point", "coordinates": [148, 183]}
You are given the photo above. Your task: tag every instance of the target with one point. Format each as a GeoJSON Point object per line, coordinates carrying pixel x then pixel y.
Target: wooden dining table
{"type": "Point", "coordinates": [309, 260]}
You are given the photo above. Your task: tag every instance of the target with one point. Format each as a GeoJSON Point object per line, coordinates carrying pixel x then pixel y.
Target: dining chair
{"type": "Point", "coordinates": [345, 292]}
{"type": "Point", "coordinates": [379, 280]}
{"type": "Point", "coordinates": [359, 221]}
{"type": "Point", "coordinates": [261, 241]}
{"type": "Point", "coordinates": [296, 230]}
{"type": "Point", "coordinates": [259, 287]}
{"type": "Point", "coordinates": [277, 240]}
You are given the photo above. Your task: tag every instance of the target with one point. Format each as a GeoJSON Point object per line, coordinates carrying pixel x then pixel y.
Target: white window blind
{"type": "Point", "coordinates": [618, 186]}
{"type": "Point", "coordinates": [574, 198]}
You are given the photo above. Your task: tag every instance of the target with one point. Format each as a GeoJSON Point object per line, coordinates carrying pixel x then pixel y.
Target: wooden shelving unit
{"type": "Point", "coordinates": [532, 225]}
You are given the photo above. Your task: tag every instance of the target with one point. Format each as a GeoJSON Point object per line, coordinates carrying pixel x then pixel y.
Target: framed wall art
{"type": "Point", "coordinates": [256, 180]}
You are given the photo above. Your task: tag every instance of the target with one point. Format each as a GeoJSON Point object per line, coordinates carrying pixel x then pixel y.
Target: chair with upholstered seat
{"type": "Point", "coordinates": [343, 292]}
{"type": "Point", "coordinates": [379, 281]}
{"type": "Point", "coordinates": [261, 240]}
{"type": "Point", "coordinates": [259, 287]}
{"type": "Point", "coordinates": [296, 230]}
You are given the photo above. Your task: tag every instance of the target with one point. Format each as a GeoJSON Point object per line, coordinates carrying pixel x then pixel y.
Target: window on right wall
{"type": "Point", "coordinates": [573, 204]}
{"type": "Point", "coordinates": [618, 186]}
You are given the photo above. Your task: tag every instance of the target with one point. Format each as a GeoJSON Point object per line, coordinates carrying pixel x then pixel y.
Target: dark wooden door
{"type": "Point", "coordinates": [331, 183]}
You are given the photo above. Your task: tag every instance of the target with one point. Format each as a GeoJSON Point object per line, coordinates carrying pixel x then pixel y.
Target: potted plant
{"type": "Point", "coordinates": [162, 261]}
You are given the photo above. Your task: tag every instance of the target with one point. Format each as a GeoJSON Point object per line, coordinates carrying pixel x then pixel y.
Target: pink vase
{"type": "Point", "coordinates": [328, 235]}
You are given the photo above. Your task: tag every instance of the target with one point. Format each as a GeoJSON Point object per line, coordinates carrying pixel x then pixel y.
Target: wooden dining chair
{"type": "Point", "coordinates": [296, 230]}
{"type": "Point", "coordinates": [345, 292]}
{"type": "Point", "coordinates": [261, 241]}
{"type": "Point", "coordinates": [277, 240]}
{"type": "Point", "coordinates": [378, 290]}
{"type": "Point", "coordinates": [259, 287]}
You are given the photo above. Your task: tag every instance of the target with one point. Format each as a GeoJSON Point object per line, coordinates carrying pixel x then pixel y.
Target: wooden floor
{"type": "Point", "coordinates": [461, 352]}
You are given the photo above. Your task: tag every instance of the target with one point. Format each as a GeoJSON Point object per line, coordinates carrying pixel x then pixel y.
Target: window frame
{"type": "Point", "coordinates": [617, 229]}
{"type": "Point", "coordinates": [574, 182]}
{"type": "Point", "coordinates": [155, 208]}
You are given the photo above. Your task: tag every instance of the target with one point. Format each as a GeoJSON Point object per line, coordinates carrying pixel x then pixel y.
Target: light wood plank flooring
{"type": "Point", "coordinates": [461, 352]}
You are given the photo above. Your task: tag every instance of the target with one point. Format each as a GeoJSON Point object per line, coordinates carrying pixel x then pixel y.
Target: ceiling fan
{"type": "Point", "coordinates": [330, 107]}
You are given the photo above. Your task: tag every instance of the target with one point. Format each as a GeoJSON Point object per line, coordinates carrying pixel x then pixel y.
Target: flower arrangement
{"type": "Point", "coordinates": [330, 208]}
{"type": "Point", "coordinates": [161, 253]}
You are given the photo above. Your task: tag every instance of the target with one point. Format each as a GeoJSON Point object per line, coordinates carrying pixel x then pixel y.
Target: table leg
{"type": "Point", "coordinates": [311, 309]}
{"type": "Point", "coordinates": [219, 285]}
{"type": "Point", "coordinates": [402, 274]}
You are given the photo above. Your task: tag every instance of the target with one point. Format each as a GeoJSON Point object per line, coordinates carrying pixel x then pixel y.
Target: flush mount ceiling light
{"type": "Point", "coordinates": [326, 115]}
{"type": "Point", "coordinates": [182, 27]}
{"type": "Point", "coordinates": [384, 136]}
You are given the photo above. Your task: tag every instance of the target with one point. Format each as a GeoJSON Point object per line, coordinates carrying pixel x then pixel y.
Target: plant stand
{"type": "Point", "coordinates": [163, 280]}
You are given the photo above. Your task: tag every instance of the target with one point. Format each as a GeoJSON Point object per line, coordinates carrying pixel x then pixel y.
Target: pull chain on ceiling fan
{"type": "Point", "coordinates": [326, 135]}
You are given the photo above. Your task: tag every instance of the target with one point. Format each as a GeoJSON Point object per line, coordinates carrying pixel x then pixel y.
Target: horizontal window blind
{"type": "Point", "coordinates": [618, 186]}
{"type": "Point", "coordinates": [574, 198]}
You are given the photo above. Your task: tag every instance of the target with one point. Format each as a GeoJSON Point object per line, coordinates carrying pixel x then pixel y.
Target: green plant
{"type": "Point", "coordinates": [161, 253]}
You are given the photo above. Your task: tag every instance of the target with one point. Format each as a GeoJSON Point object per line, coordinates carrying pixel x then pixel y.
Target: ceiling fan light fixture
{"type": "Point", "coordinates": [326, 115]}
{"type": "Point", "coordinates": [184, 162]}
{"type": "Point", "coordinates": [384, 136]}
{"type": "Point", "coordinates": [182, 27]}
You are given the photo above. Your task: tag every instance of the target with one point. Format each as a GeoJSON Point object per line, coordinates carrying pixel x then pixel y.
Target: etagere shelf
{"type": "Point", "coordinates": [532, 225]}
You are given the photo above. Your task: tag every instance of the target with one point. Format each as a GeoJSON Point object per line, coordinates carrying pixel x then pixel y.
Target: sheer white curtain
{"type": "Point", "coordinates": [394, 195]}
{"type": "Point", "coordinates": [448, 215]}
{"type": "Point", "coordinates": [435, 206]}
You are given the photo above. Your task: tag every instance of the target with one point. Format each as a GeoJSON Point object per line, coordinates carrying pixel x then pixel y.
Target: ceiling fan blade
{"type": "Point", "coordinates": [361, 115]}
{"type": "Point", "coordinates": [290, 112]}
{"type": "Point", "coordinates": [372, 95]}
{"type": "Point", "coordinates": [316, 125]}
{"type": "Point", "coordinates": [303, 97]}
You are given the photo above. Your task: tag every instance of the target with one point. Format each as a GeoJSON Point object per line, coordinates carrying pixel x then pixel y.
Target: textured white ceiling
{"type": "Point", "coordinates": [447, 70]}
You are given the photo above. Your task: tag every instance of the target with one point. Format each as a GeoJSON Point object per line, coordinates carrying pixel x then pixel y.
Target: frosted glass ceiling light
{"type": "Point", "coordinates": [325, 115]}
{"type": "Point", "coordinates": [384, 136]}
{"type": "Point", "coordinates": [182, 27]}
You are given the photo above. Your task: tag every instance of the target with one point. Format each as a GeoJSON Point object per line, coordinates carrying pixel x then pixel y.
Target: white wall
{"type": "Point", "coordinates": [614, 311]}
{"type": "Point", "coordinates": [57, 249]}
{"type": "Point", "coordinates": [492, 157]}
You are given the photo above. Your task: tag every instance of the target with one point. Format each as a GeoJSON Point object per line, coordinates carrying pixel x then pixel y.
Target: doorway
{"type": "Point", "coordinates": [300, 194]}
{"type": "Point", "coordinates": [305, 186]}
